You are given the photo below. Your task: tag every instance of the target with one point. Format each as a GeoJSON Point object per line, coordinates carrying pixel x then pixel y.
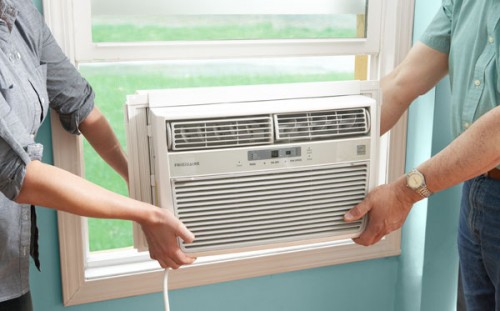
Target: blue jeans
{"type": "Point", "coordinates": [479, 244]}
{"type": "Point", "coordinates": [22, 303]}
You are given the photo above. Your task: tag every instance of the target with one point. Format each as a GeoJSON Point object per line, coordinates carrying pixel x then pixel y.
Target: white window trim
{"type": "Point", "coordinates": [95, 278]}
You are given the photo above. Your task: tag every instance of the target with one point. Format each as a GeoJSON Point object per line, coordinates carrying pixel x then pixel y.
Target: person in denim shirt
{"type": "Point", "coordinates": [36, 75]}
{"type": "Point", "coordinates": [463, 41]}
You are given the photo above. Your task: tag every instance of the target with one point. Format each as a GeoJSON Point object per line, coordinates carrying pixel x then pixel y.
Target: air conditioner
{"type": "Point", "coordinates": [255, 167]}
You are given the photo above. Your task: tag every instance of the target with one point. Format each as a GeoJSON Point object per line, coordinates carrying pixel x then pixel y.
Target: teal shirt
{"type": "Point", "coordinates": [468, 31]}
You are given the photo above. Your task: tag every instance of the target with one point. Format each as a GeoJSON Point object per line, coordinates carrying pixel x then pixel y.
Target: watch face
{"type": "Point", "coordinates": [414, 181]}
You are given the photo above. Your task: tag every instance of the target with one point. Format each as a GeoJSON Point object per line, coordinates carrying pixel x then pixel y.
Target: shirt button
{"type": "Point", "coordinates": [490, 39]}
{"type": "Point", "coordinates": [477, 82]}
{"type": "Point", "coordinates": [466, 125]}
{"type": "Point", "coordinates": [14, 56]}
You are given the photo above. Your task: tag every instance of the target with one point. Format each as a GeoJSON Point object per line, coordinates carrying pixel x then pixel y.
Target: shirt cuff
{"type": "Point", "coordinates": [71, 121]}
{"type": "Point", "coordinates": [12, 178]}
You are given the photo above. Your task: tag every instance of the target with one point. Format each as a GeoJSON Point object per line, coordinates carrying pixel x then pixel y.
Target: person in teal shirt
{"type": "Point", "coordinates": [462, 41]}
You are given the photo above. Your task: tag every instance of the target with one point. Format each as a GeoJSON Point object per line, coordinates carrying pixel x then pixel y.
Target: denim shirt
{"type": "Point", "coordinates": [468, 31]}
{"type": "Point", "coordinates": [34, 75]}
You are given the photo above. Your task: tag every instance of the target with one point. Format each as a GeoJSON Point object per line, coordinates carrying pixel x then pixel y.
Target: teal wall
{"type": "Point", "coordinates": [428, 269]}
{"type": "Point", "coordinates": [422, 278]}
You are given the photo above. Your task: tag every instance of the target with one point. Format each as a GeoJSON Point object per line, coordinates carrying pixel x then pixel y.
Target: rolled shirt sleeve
{"type": "Point", "coordinates": [12, 173]}
{"type": "Point", "coordinates": [69, 93]}
{"type": "Point", "coordinates": [14, 159]}
{"type": "Point", "coordinates": [17, 149]}
{"type": "Point", "coordinates": [438, 33]}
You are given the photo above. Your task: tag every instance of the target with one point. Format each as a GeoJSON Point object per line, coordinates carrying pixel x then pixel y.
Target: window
{"type": "Point", "coordinates": [112, 81]}
{"type": "Point", "coordinates": [121, 47]}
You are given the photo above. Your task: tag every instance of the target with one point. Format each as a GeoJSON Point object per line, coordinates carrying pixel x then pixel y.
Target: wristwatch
{"type": "Point", "coordinates": [416, 181]}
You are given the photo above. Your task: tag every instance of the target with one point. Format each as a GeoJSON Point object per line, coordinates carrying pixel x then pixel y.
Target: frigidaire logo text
{"type": "Point", "coordinates": [182, 164]}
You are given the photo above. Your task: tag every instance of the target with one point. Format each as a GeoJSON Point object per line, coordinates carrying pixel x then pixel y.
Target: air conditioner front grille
{"type": "Point", "coordinates": [236, 211]}
{"type": "Point", "coordinates": [310, 126]}
{"type": "Point", "coordinates": [220, 133]}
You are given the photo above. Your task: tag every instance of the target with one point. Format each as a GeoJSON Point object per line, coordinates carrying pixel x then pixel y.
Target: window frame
{"type": "Point", "coordinates": [90, 278]}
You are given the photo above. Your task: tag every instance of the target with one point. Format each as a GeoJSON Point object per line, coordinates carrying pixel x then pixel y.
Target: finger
{"type": "Point", "coordinates": [371, 235]}
{"type": "Point", "coordinates": [183, 259]}
{"type": "Point", "coordinates": [183, 232]}
{"type": "Point", "coordinates": [168, 263]}
{"type": "Point", "coordinates": [367, 240]}
{"type": "Point", "coordinates": [357, 212]}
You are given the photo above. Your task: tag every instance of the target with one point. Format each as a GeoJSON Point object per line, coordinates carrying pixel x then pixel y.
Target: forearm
{"type": "Point", "coordinates": [416, 75]}
{"type": "Point", "coordinates": [474, 152]}
{"type": "Point", "coordinates": [393, 106]}
{"type": "Point", "coordinates": [49, 186]}
{"type": "Point", "coordinates": [100, 135]}
{"type": "Point", "coordinates": [52, 187]}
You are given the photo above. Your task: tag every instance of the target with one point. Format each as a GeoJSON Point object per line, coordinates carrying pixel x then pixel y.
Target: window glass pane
{"type": "Point", "coordinates": [113, 81]}
{"type": "Point", "coordinates": [107, 234]}
{"type": "Point", "coordinates": [167, 20]}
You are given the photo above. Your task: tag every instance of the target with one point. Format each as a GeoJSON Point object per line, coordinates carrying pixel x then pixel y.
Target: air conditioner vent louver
{"type": "Point", "coordinates": [310, 126]}
{"type": "Point", "coordinates": [285, 205]}
{"type": "Point", "coordinates": [220, 133]}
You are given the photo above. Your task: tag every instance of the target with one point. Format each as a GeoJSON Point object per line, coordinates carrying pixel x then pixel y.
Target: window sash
{"type": "Point", "coordinates": [88, 51]}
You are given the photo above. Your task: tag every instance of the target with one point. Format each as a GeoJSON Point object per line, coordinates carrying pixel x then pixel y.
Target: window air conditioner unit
{"type": "Point", "coordinates": [256, 167]}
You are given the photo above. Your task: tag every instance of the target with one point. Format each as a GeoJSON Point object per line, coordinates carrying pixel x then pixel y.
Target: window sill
{"type": "Point", "coordinates": [129, 273]}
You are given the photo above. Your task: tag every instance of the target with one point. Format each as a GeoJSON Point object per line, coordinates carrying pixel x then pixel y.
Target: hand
{"type": "Point", "coordinates": [161, 237]}
{"type": "Point", "coordinates": [387, 207]}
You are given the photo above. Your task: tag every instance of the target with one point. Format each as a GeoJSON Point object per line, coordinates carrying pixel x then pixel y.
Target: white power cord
{"type": "Point", "coordinates": [165, 290]}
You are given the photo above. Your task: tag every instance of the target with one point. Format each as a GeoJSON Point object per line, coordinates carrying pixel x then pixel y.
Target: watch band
{"type": "Point", "coordinates": [420, 188]}
{"type": "Point", "coordinates": [424, 191]}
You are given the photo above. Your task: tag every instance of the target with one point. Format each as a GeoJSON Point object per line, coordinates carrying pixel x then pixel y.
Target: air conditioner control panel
{"type": "Point", "coordinates": [275, 153]}
{"type": "Point", "coordinates": [186, 164]}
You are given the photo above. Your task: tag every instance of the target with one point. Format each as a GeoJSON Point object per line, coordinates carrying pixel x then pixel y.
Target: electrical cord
{"type": "Point", "coordinates": [165, 290]}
